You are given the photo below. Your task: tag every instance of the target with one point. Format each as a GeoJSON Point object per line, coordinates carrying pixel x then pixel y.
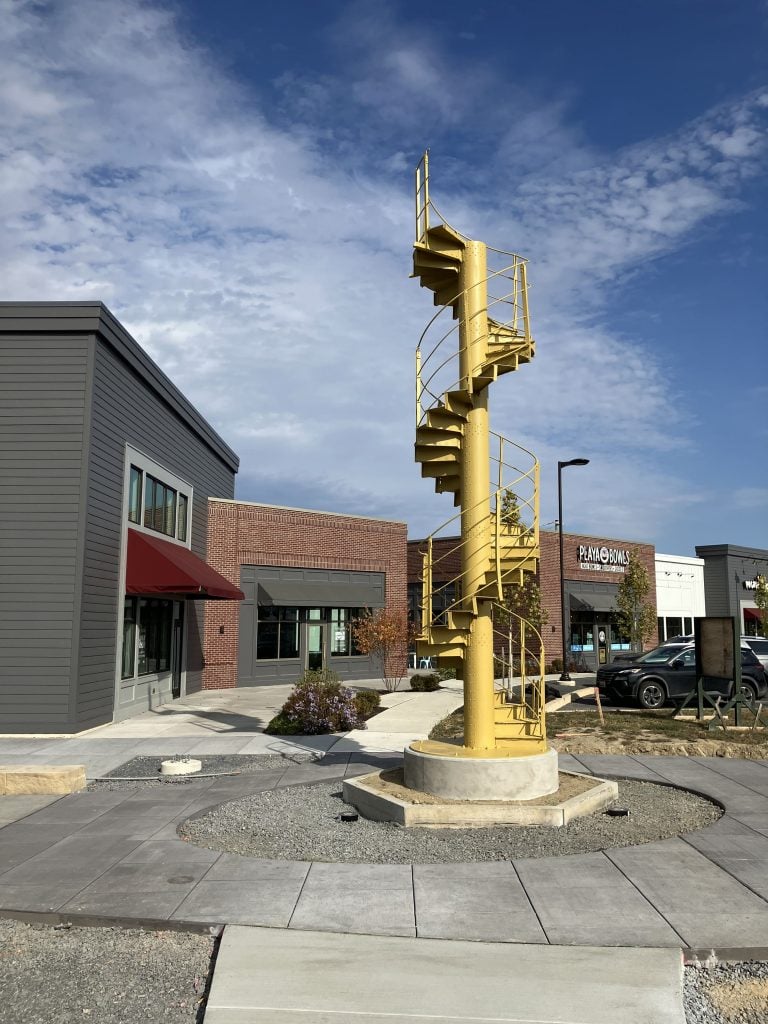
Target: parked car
{"type": "Point", "coordinates": [759, 644]}
{"type": "Point", "coordinates": [621, 661]}
{"type": "Point", "coordinates": [668, 673]}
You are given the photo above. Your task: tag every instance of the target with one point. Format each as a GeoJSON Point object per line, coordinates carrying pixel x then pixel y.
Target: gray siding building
{"type": "Point", "coordinates": [730, 581]}
{"type": "Point", "coordinates": [105, 474]}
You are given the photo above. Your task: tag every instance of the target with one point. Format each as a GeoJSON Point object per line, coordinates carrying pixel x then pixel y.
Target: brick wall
{"type": "Point", "coordinates": [446, 558]}
{"type": "Point", "coordinates": [242, 533]}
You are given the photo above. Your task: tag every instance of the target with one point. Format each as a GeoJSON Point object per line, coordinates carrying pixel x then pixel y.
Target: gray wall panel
{"type": "Point", "coordinates": [124, 411]}
{"type": "Point", "coordinates": [65, 367]}
{"type": "Point", "coordinates": [716, 586]}
{"type": "Point", "coordinates": [42, 422]}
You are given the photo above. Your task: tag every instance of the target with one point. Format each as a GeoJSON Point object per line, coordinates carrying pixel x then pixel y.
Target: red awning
{"type": "Point", "coordinates": [156, 566]}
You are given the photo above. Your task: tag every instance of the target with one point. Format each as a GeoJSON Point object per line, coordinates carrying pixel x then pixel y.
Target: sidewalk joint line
{"type": "Point", "coordinates": [654, 908]}
{"type": "Point", "coordinates": [531, 903]}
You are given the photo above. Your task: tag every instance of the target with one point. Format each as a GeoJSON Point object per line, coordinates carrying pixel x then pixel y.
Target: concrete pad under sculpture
{"type": "Point", "coordinates": [366, 795]}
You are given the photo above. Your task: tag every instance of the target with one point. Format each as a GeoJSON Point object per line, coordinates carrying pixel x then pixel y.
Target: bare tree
{"type": "Point", "coordinates": [385, 636]}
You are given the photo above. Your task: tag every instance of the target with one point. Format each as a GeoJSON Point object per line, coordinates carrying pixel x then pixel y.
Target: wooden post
{"type": "Point", "coordinates": [599, 706]}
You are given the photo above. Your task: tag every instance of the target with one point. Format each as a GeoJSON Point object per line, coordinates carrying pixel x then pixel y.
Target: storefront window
{"type": "Point", "coordinates": [674, 626]}
{"type": "Point", "coordinates": [342, 638]}
{"type": "Point", "coordinates": [147, 635]}
{"type": "Point", "coordinates": [159, 507]}
{"type": "Point", "coordinates": [155, 627]}
{"type": "Point", "coordinates": [183, 506]}
{"type": "Point", "coordinates": [134, 495]}
{"type": "Point", "coordinates": [582, 632]}
{"type": "Point", "coordinates": [129, 639]}
{"type": "Point", "coordinates": [277, 633]}
{"type": "Point", "coordinates": [753, 625]}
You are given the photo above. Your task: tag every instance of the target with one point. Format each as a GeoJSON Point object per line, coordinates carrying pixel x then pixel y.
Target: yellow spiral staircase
{"type": "Point", "coordinates": [480, 333]}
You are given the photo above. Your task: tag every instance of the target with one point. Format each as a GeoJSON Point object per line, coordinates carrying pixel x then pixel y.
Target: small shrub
{"type": "Point", "coordinates": [445, 673]}
{"type": "Point", "coordinates": [427, 682]}
{"type": "Point", "coordinates": [316, 706]}
{"type": "Point", "coordinates": [367, 702]}
{"type": "Point", "coordinates": [280, 725]}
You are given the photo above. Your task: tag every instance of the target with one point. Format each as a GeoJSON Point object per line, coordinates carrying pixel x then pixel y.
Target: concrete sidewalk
{"type": "Point", "coordinates": [267, 977]}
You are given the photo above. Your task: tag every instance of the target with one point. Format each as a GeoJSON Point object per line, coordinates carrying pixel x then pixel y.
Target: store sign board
{"type": "Point", "coordinates": [750, 584]}
{"type": "Point", "coordinates": [603, 559]}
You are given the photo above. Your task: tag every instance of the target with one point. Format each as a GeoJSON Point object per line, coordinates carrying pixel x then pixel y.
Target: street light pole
{"type": "Point", "coordinates": [565, 620]}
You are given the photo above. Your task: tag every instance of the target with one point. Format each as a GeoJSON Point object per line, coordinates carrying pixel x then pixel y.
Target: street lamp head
{"type": "Point", "coordinates": [573, 462]}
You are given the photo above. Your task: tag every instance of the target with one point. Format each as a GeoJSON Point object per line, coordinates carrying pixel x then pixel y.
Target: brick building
{"type": "Point", "coordinates": [593, 567]}
{"type": "Point", "coordinates": [305, 575]}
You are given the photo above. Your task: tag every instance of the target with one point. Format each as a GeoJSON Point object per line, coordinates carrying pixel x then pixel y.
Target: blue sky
{"type": "Point", "coordinates": [234, 180]}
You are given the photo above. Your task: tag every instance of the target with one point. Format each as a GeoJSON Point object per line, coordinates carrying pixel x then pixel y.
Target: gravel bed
{"type": "Point", "coordinates": [734, 993]}
{"type": "Point", "coordinates": [147, 769]}
{"type": "Point", "coordinates": [302, 823]}
{"type": "Point", "coordinates": [101, 975]}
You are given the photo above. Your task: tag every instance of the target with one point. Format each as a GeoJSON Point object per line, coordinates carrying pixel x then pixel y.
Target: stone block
{"type": "Point", "coordinates": [55, 779]}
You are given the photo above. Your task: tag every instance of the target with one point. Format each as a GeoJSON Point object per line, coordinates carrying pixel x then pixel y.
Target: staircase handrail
{"type": "Point", "coordinates": [519, 292]}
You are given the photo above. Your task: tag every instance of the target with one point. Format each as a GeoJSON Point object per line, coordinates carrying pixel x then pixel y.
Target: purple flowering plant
{"type": "Point", "coordinates": [321, 705]}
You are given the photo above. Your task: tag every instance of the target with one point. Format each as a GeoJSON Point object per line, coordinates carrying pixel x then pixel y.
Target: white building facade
{"type": "Point", "coordinates": [679, 594]}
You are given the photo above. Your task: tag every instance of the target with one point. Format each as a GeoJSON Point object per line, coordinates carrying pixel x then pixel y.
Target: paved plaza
{"type": "Point", "coordinates": [115, 856]}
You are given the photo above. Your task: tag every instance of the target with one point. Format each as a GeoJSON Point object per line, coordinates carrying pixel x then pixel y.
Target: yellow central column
{"type": "Point", "coordinates": [475, 502]}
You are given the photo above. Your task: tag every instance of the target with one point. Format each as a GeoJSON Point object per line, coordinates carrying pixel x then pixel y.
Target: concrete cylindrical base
{"type": "Point", "coordinates": [482, 778]}
{"type": "Point", "coordinates": [180, 766]}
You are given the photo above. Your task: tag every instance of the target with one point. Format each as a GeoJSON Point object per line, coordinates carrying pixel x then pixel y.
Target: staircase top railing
{"type": "Point", "coordinates": [425, 206]}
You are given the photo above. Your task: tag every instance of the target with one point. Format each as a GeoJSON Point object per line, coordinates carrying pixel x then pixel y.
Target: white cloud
{"type": "Point", "coordinates": [264, 262]}
{"type": "Point", "coordinates": [750, 498]}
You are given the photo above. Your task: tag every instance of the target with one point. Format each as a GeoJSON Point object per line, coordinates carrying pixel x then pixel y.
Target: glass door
{"type": "Point", "coordinates": [314, 640]}
{"type": "Point", "coordinates": [603, 642]}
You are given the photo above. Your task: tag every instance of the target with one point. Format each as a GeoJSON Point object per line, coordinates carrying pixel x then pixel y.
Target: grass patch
{"type": "Point", "coordinates": [627, 725]}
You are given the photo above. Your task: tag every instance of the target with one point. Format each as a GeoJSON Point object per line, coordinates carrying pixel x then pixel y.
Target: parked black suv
{"type": "Point", "coordinates": [621, 661]}
{"type": "Point", "coordinates": [668, 673]}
